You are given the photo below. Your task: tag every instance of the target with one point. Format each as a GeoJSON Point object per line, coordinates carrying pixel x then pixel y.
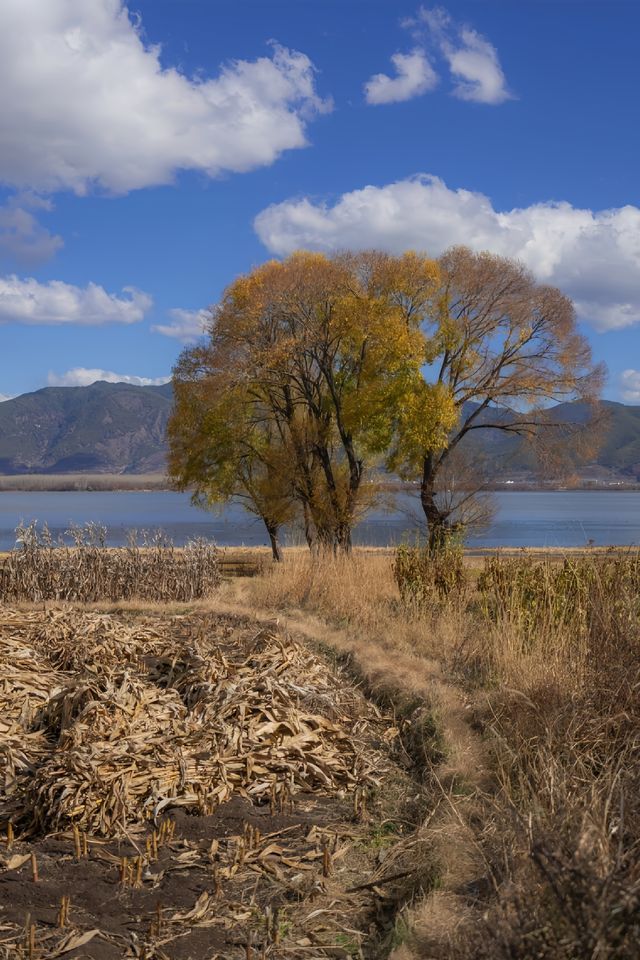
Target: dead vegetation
{"type": "Point", "coordinates": [565, 723]}
{"type": "Point", "coordinates": [258, 719]}
{"type": "Point", "coordinates": [85, 570]}
{"type": "Point", "coordinates": [538, 786]}
{"type": "Point", "coordinates": [46, 482]}
{"type": "Point", "coordinates": [515, 702]}
{"type": "Point", "coordinates": [190, 786]}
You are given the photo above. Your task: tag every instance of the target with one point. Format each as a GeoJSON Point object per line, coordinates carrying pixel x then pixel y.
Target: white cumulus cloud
{"type": "Point", "coordinates": [593, 256]}
{"type": "Point", "coordinates": [186, 325]}
{"type": "Point", "coordinates": [630, 386]}
{"type": "Point", "coordinates": [22, 236]}
{"type": "Point", "coordinates": [472, 60]}
{"type": "Point", "coordinates": [474, 64]}
{"type": "Point", "coordinates": [5, 396]}
{"type": "Point", "coordinates": [84, 376]}
{"type": "Point", "coordinates": [55, 302]}
{"type": "Point", "coordinates": [414, 76]}
{"type": "Point", "coordinates": [86, 101]}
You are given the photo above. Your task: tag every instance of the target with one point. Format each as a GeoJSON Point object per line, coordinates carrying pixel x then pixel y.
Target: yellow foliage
{"type": "Point", "coordinates": [318, 364]}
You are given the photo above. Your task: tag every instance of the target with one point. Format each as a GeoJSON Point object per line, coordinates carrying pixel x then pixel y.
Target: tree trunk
{"type": "Point", "coordinates": [437, 524]}
{"type": "Point", "coordinates": [343, 539]}
{"type": "Point", "coordinates": [309, 530]}
{"type": "Point", "coordinates": [355, 478]}
{"type": "Point", "coordinates": [276, 549]}
{"type": "Point", "coordinates": [326, 542]}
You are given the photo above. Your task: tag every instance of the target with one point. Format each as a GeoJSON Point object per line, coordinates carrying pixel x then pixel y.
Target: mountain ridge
{"type": "Point", "coordinates": [119, 428]}
{"type": "Point", "coordinates": [101, 428]}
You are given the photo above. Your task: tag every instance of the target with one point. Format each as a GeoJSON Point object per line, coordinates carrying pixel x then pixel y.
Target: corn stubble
{"type": "Point", "coordinates": [105, 726]}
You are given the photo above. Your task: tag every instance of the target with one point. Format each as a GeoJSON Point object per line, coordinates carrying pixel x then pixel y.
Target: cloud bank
{"type": "Point", "coordinates": [86, 101]}
{"type": "Point", "coordinates": [84, 376]}
{"type": "Point", "coordinates": [593, 256]}
{"type": "Point", "coordinates": [31, 302]}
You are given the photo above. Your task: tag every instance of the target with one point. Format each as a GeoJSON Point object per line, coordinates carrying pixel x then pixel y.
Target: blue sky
{"type": "Point", "coordinates": [148, 155]}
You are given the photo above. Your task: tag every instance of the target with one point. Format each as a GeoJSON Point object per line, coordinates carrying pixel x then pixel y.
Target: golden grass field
{"type": "Point", "coordinates": [497, 719]}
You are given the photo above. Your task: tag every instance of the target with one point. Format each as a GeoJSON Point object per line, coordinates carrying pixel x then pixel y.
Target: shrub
{"type": "Point", "coordinates": [424, 576]}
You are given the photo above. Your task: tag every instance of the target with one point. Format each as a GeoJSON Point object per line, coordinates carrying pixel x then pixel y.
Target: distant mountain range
{"type": "Point", "coordinates": [117, 428]}
{"type": "Point", "coordinates": [103, 428]}
{"type": "Point", "coordinates": [617, 431]}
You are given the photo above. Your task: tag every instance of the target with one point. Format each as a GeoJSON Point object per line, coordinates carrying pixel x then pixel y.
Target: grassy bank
{"type": "Point", "coordinates": [532, 669]}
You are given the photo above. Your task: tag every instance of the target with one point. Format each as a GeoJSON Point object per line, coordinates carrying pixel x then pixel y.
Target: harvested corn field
{"type": "Point", "coordinates": [189, 786]}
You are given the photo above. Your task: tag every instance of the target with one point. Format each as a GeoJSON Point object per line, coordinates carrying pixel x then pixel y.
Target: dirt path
{"type": "Point", "coordinates": [457, 776]}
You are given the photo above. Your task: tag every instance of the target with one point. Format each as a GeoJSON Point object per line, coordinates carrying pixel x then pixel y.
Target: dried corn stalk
{"type": "Point", "coordinates": [123, 721]}
{"type": "Point", "coordinates": [86, 570]}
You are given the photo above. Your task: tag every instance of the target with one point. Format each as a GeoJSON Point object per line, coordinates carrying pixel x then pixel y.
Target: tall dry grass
{"type": "Point", "coordinates": [548, 652]}
{"type": "Point", "coordinates": [344, 589]}
{"type": "Point", "coordinates": [561, 659]}
{"type": "Point", "coordinates": [360, 594]}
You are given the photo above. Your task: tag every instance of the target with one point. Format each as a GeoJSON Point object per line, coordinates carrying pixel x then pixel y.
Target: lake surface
{"type": "Point", "coordinates": [523, 518]}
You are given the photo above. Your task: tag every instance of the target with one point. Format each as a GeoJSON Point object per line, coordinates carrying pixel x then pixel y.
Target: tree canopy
{"type": "Point", "coordinates": [312, 369]}
{"type": "Point", "coordinates": [317, 368]}
{"type": "Point", "coordinates": [500, 343]}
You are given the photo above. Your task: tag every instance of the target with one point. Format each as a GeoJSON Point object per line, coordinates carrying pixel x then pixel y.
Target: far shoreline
{"type": "Point", "coordinates": [243, 560]}
{"type": "Point", "coordinates": [154, 482]}
{"type": "Point", "coordinates": [84, 482]}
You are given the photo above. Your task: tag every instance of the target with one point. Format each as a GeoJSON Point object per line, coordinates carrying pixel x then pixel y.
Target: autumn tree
{"type": "Point", "coordinates": [464, 496]}
{"type": "Point", "coordinates": [312, 367]}
{"type": "Point", "coordinates": [222, 449]}
{"type": "Point", "coordinates": [503, 348]}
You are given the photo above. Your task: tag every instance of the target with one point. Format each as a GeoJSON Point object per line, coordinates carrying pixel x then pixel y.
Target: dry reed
{"type": "Point", "coordinates": [84, 481]}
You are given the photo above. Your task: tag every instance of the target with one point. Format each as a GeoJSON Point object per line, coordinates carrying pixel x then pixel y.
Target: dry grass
{"type": "Point", "coordinates": [545, 656]}
{"type": "Point", "coordinates": [41, 482]}
{"type": "Point", "coordinates": [345, 590]}
{"type": "Point", "coordinates": [562, 656]}
{"type": "Point", "coordinates": [359, 594]}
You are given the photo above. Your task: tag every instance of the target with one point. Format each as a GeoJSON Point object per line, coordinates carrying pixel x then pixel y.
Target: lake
{"type": "Point", "coordinates": [523, 518]}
